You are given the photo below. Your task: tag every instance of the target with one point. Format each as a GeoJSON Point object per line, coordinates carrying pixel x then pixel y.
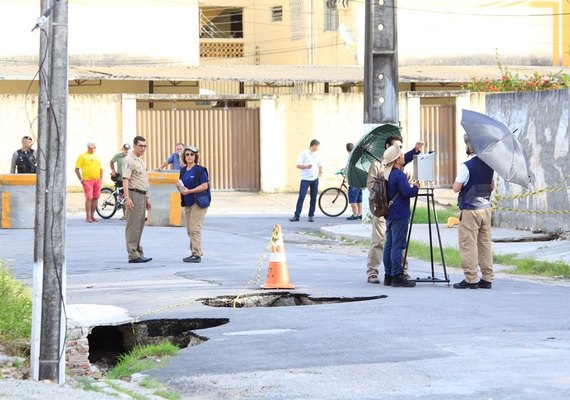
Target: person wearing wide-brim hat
{"type": "Point", "coordinates": [399, 192]}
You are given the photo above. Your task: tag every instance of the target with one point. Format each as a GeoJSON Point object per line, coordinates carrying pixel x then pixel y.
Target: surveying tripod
{"type": "Point", "coordinates": [428, 194]}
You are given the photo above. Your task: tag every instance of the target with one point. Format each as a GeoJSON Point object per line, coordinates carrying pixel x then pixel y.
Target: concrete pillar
{"type": "Point", "coordinates": [129, 118]}
{"type": "Point", "coordinates": [272, 146]}
{"type": "Point", "coordinates": [412, 118]}
{"type": "Point", "coordinates": [17, 201]}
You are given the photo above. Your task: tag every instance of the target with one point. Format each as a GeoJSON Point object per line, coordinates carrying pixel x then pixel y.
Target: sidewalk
{"type": "Point", "coordinates": [525, 244]}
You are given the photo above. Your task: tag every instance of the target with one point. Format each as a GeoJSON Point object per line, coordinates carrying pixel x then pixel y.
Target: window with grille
{"type": "Point", "coordinates": [297, 19]}
{"type": "Point", "coordinates": [331, 18]}
{"type": "Point", "coordinates": [277, 14]}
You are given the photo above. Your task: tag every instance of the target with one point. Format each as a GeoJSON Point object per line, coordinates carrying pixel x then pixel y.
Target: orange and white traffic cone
{"type": "Point", "coordinates": [277, 273]}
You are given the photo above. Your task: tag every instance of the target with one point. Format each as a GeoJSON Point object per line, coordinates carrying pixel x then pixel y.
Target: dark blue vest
{"type": "Point", "coordinates": [476, 194]}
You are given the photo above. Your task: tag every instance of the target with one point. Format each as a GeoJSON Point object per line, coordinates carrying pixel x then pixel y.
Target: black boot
{"type": "Point", "coordinates": [401, 281]}
{"type": "Point", "coordinates": [464, 285]}
{"type": "Point", "coordinates": [387, 280]}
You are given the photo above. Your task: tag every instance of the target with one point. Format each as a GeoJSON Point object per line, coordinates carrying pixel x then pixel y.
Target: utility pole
{"type": "Point", "coordinates": [380, 64]}
{"type": "Point", "coordinates": [49, 325]}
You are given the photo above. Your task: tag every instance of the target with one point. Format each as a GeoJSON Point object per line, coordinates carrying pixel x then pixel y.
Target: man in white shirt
{"type": "Point", "coordinates": [311, 170]}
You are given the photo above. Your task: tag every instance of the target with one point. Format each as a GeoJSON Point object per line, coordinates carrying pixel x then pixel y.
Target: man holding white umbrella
{"type": "Point", "coordinates": [474, 183]}
{"type": "Point", "coordinates": [491, 147]}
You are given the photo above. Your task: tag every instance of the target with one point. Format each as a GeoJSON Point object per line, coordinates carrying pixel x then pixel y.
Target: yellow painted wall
{"type": "Point", "coordinates": [268, 42]}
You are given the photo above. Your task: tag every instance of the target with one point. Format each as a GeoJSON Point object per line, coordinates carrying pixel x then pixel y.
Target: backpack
{"type": "Point", "coordinates": [378, 200]}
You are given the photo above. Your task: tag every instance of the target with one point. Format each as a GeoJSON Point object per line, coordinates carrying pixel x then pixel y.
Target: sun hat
{"type": "Point", "coordinates": [391, 154]}
{"type": "Point", "coordinates": [193, 149]}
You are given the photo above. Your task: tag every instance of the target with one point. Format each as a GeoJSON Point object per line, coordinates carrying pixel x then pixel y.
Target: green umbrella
{"type": "Point", "coordinates": [369, 149]}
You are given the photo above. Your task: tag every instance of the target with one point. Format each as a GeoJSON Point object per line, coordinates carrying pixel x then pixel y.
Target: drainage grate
{"type": "Point", "coordinates": [279, 299]}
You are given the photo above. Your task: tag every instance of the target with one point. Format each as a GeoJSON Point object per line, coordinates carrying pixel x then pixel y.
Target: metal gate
{"type": "Point", "coordinates": [228, 140]}
{"type": "Point", "coordinates": [437, 131]}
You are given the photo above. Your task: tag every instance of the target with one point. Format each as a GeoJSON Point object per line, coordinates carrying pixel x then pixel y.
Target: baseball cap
{"type": "Point", "coordinates": [127, 146]}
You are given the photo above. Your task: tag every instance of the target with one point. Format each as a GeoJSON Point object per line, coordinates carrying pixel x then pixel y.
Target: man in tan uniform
{"type": "Point", "coordinates": [135, 189]}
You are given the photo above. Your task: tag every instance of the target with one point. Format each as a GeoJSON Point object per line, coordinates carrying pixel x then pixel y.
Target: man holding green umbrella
{"type": "Point", "coordinates": [363, 166]}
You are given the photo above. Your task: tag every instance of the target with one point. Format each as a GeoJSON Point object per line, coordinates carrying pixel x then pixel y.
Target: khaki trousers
{"type": "Point", "coordinates": [135, 225]}
{"type": "Point", "coordinates": [376, 251]}
{"type": "Point", "coordinates": [194, 217]}
{"type": "Point", "coordinates": [475, 244]}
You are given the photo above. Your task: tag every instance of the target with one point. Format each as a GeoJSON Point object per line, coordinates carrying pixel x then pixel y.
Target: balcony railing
{"type": "Point", "coordinates": [222, 48]}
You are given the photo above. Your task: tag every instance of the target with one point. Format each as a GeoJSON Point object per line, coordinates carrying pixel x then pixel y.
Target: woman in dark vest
{"type": "Point", "coordinates": [194, 187]}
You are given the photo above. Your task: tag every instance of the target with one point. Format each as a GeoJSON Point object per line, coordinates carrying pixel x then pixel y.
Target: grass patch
{"type": "Point", "coordinates": [15, 312]}
{"type": "Point", "coordinates": [522, 266]}
{"type": "Point", "coordinates": [142, 358]}
{"type": "Point", "coordinates": [87, 384]}
{"type": "Point", "coordinates": [127, 392]}
{"type": "Point", "coordinates": [161, 390]}
{"type": "Point", "coordinates": [421, 251]}
{"type": "Point", "coordinates": [529, 266]}
{"type": "Point", "coordinates": [443, 213]}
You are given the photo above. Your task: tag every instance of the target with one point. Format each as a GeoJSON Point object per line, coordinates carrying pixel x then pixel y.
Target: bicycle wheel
{"type": "Point", "coordinates": [107, 203]}
{"type": "Point", "coordinates": [333, 202]}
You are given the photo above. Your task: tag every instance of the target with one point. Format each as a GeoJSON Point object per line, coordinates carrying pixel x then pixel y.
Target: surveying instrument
{"type": "Point", "coordinates": [424, 171]}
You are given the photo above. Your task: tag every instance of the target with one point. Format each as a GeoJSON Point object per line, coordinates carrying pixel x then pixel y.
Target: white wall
{"type": "Point", "coordinates": [94, 118]}
{"type": "Point", "coordinates": [109, 31]}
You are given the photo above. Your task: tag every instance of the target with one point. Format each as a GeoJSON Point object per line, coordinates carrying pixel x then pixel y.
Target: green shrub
{"type": "Point", "coordinates": [15, 310]}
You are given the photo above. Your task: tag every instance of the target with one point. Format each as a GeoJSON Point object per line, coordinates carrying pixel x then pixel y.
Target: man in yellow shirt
{"type": "Point", "coordinates": [89, 170]}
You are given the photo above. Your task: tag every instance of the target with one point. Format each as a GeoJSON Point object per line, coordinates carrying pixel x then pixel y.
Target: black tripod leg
{"type": "Point", "coordinates": [430, 198]}
{"type": "Point", "coordinates": [440, 245]}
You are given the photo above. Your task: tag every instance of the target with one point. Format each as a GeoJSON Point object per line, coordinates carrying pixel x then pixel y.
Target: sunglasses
{"type": "Point", "coordinates": [189, 154]}
{"type": "Point", "coordinates": [27, 137]}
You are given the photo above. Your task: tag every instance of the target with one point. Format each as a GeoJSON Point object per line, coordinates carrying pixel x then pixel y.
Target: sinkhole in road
{"type": "Point", "coordinates": [108, 343]}
{"type": "Point", "coordinates": [279, 299]}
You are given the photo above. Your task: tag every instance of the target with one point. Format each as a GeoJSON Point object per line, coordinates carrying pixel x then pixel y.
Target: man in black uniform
{"type": "Point", "coordinates": [24, 160]}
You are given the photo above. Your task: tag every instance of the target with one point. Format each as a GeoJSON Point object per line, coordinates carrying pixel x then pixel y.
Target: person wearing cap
{"type": "Point", "coordinates": [311, 169]}
{"type": "Point", "coordinates": [399, 191]}
{"type": "Point", "coordinates": [175, 159]}
{"type": "Point", "coordinates": [193, 179]}
{"type": "Point", "coordinates": [376, 249]}
{"type": "Point", "coordinates": [24, 159]}
{"type": "Point", "coordinates": [475, 182]}
{"type": "Point", "coordinates": [117, 173]}
{"type": "Point", "coordinates": [137, 201]}
{"type": "Point", "coordinates": [89, 171]}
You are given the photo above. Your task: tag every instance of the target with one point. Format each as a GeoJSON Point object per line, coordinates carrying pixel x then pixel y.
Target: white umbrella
{"type": "Point", "coordinates": [497, 146]}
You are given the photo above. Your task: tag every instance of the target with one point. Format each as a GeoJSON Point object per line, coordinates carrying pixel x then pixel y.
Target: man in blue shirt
{"type": "Point", "coordinates": [399, 192]}
{"type": "Point", "coordinates": [376, 249]}
{"type": "Point", "coordinates": [174, 158]}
